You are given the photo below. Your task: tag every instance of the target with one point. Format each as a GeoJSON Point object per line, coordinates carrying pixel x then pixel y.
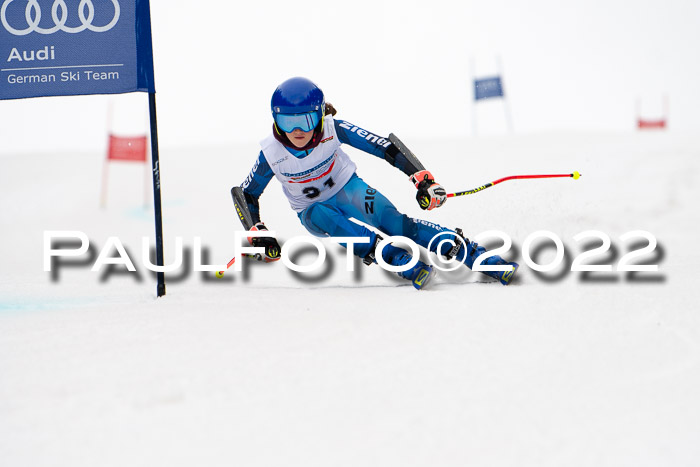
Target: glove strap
{"type": "Point", "coordinates": [420, 177]}
{"type": "Point", "coordinates": [256, 228]}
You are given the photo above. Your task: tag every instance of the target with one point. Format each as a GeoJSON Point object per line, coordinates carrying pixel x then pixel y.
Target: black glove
{"type": "Point", "coordinates": [272, 248]}
{"type": "Point", "coordinates": [430, 195]}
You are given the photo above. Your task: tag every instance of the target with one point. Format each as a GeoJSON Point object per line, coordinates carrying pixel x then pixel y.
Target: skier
{"type": "Point", "coordinates": [304, 153]}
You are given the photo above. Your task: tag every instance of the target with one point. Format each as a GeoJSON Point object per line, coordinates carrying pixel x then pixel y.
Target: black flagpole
{"type": "Point", "coordinates": [155, 166]}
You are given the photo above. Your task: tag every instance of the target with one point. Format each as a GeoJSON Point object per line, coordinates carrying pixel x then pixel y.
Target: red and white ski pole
{"type": "Point", "coordinates": [574, 175]}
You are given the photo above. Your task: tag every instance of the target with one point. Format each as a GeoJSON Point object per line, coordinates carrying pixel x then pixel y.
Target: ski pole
{"type": "Point", "coordinates": [574, 175]}
{"type": "Point", "coordinates": [220, 274]}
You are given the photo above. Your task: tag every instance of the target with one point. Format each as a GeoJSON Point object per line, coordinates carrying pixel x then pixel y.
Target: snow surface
{"type": "Point", "coordinates": [347, 369]}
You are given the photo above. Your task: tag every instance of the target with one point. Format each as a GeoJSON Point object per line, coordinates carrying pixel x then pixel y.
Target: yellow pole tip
{"type": "Point", "coordinates": [576, 175]}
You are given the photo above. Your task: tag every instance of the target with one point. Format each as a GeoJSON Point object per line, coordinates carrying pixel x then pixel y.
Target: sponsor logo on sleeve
{"type": "Point", "coordinates": [383, 142]}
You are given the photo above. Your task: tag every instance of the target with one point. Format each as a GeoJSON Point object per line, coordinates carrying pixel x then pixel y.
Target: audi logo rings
{"type": "Point", "coordinates": [59, 14]}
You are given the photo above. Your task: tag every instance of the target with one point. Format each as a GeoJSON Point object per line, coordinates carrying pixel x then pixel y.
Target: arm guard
{"type": "Point", "coordinates": [243, 201]}
{"type": "Point", "coordinates": [398, 155]}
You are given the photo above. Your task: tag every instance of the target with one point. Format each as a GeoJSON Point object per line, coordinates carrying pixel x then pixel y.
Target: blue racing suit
{"type": "Point", "coordinates": [355, 199]}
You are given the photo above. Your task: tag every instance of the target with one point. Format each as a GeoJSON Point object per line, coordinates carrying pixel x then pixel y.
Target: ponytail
{"type": "Point", "coordinates": [330, 109]}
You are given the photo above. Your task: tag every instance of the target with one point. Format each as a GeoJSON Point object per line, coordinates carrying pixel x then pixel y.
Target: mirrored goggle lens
{"type": "Point", "coordinates": [305, 122]}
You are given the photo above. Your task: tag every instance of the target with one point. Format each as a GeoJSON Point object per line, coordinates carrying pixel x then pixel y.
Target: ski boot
{"type": "Point", "coordinates": [419, 275]}
{"type": "Point", "coordinates": [472, 251]}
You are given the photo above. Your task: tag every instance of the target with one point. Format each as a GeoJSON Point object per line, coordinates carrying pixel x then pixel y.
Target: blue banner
{"type": "Point", "coordinates": [488, 87]}
{"type": "Point", "coordinates": [73, 47]}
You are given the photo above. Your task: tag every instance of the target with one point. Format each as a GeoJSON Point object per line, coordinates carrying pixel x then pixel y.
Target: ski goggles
{"type": "Point", "coordinates": [290, 122]}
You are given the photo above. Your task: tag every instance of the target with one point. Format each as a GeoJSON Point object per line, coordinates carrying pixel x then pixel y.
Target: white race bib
{"type": "Point", "coordinates": [315, 177]}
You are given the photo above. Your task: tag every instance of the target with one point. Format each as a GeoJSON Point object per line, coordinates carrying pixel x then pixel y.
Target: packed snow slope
{"type": "Point", "coordinates": [334, 368]}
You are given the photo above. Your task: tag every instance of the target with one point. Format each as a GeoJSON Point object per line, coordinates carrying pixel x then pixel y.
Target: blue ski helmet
{"type": "Point", "coordinates": [297, 103]}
